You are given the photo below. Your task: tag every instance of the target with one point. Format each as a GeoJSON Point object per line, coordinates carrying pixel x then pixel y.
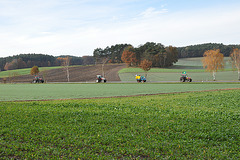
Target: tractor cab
{"type": "Point", "coordinates": [184, 77]}
{"type": "Point", "coordinates": [37, 79]}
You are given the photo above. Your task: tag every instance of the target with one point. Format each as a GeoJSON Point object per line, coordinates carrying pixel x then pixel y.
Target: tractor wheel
{"type": "Point", "coordinates": [190, 80]}
{"type": "Point", "coordinates": [182, 79]}
{"type": "Point", "coordinates": [105, 80]}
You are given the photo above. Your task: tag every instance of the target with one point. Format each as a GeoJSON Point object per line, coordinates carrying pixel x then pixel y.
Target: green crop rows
{"type": "Point", "coordinates": [198, 125]}
{"type": "Point", "coordinates": [12, 92]}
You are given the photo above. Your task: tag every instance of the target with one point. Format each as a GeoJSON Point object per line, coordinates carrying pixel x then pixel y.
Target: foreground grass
{"type": "Point", "coordinates": [200, 125]}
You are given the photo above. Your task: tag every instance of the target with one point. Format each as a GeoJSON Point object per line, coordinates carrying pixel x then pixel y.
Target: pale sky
{"type": "Point", "coordinates": [77, 27]}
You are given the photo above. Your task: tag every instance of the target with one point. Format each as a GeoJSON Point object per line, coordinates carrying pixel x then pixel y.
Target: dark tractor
{"type": "Point", "coordinates": [185, 78]}
{"type": "Point", "coordinates": [100, 79]}
{"type": "Point", "coordinates": [37, 80]}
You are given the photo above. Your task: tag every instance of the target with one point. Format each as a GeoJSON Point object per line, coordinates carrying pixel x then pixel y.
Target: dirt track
{"type": "Point", "coordinates": [77, 74]}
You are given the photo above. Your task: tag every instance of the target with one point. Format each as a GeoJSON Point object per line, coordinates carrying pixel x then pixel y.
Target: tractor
{"type": "Point", "coordinates": [184, 77]}
{"type": "Point", "coordinates": [100, 79]}
{"type": "Point", "coordinates": [38, 80]}
{"type": "Point", "coordinates": [140, 78]}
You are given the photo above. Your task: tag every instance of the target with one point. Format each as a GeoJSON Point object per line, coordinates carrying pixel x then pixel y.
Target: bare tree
{"type": "Point", "coordinates": [235, 56]}
{"type": "Point", "coordinates": [66, 63]}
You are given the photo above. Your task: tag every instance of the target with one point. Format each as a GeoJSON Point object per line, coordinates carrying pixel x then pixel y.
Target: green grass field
{"type": "Point", "coordinates": [169, 76]}
{"type": "Point", "coordinates": [12, 92]}
{"type": "Point", "coordinates": [197, 63]}
{"type": "Point", "coordinates": [26, 71]}
{"type": "Point", "coordinates": [199, 125]}
{"type": "Point", "coordinates": [194, 125]}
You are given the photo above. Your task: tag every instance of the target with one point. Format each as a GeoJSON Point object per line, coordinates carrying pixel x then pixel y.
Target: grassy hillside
{"type": "Point", "coordinates": [201, 125]}
{"type": "Point", "coordinates": [25, 71]}
{"type": "Point", "coordinates": [186, 64]}
{"type": "Point", "coordinates": [196, 63]}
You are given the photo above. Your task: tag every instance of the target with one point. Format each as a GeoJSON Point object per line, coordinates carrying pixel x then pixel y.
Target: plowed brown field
{"type": "Point", "coordinates": [77, 74]}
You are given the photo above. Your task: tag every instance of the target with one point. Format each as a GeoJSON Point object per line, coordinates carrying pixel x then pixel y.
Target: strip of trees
{"type": "Point", "coordinates": [198, 50]}
{"type": "Point", "coordinates": [159, 55]}
{"type": "Point", "coordinates": [40, 60]}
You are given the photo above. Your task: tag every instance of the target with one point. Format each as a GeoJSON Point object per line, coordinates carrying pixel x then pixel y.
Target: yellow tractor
{"type": "Point", "coordinates": [140, 78]}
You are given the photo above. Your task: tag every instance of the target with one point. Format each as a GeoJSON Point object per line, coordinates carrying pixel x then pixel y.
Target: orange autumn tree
{"type": "Point", "coordinates": [235, 56]}
{"type": "Point", "coordinates": [34, 70]}
{"type": "Point", "coordinates": [129, 56]}
{"type": "Point", "coordinates": [146, 65]}
{"type": "Point", "coordinates": [65, 61]}
{"type": "Point", "coordinates": [213, 61]}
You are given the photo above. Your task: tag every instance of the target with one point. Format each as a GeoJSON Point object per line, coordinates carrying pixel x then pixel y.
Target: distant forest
{"type": "Point", "coordinates": [156, 51]}
{"type": "Point", "coordinates": [41, 60]}
{"type": "Point", "coordinates": [111, 53]}
{"type": "Point", "coordinates": [198, 50]}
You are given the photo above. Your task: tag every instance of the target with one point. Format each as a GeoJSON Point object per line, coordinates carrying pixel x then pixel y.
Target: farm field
{"type": "Point", "coordinates": [26, 71]}
{"type": "Point", "coordinates": [119, 72]}
{"type": "Point", "coordinates": [58, 74]}
{"type": "Point", "coordinates": [193, 67]}
{"type": "Point", "coordinates": [196, 63]}
{"type": "Point", "coordinates": [197, 125]}
{"type": "Point", "coordinates": [175, 76]}
{"type": "Point", "coordinates": [16, 92]}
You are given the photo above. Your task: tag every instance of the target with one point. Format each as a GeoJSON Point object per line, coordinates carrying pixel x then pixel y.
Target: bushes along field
{"type": "Point", "coordinates": [199, 125]}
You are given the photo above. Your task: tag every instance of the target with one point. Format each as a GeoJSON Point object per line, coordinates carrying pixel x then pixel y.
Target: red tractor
{"type": "Point", "coordinates": [184, 77]}
{"type": "Point", "coordinates": [37, 80]}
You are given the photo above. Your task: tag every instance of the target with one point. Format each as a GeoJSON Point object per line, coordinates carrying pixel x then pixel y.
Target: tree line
{"type": "Point", "coordinates": [198, 50]}
{"type": "Point", "coordinates": [158, 54]}
{"type": "Point", "coordinates": [41, 60]}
